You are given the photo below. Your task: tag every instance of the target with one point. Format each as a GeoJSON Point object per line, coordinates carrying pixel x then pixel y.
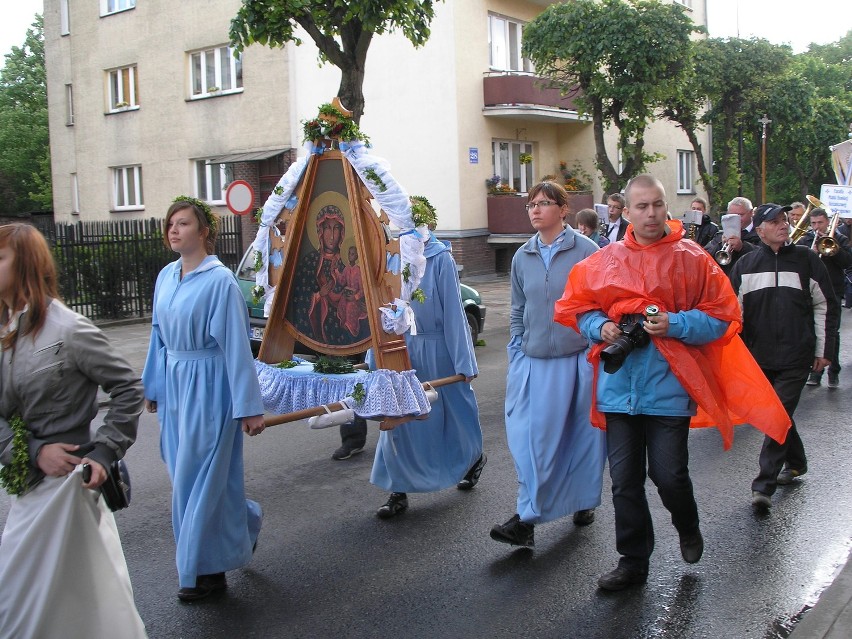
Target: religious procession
{"type": "Point", "coordinates": [627, 328]}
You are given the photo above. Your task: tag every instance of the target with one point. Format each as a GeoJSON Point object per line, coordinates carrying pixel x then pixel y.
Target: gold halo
{"type": "Point", "coordinates": [324, 199]}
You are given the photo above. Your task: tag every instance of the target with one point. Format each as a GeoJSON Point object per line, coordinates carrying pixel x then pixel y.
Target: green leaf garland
{"type": "Point", "coordinates": [333, 365]}
{"type": "Point", "coordinates": [13, 478]}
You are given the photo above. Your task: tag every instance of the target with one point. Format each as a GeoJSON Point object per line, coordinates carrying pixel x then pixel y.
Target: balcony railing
{"type": "Point", "coordinates": [516, 89]}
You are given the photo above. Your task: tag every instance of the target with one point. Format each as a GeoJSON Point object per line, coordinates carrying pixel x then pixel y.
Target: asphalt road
{"type": "Point", "coordinates": [327, 567]}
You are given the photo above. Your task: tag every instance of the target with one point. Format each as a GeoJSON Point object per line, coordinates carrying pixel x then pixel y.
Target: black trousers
{"type": "Point", "coordinates": [354, 434]}
{"type": "Point", "coordinates": [788, 385]}
{"type": "Point", "coordinates": [631, 439]}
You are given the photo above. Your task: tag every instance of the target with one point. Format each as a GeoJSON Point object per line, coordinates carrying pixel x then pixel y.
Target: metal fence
{"type": "Point", "coordinates": [107, 270]}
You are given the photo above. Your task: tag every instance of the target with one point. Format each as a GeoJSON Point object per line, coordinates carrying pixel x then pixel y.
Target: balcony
{"type": "Point", "coordinates": [508, 217]}
{"type": "Point", "coordinates": [521, 95]}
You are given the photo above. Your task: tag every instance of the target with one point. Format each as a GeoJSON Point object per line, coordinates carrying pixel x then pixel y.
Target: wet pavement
{"type": "Point", "coordinates": [327, 567]}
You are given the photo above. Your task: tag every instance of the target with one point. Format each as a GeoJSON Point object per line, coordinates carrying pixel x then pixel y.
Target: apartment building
{"type": "Point", "coordinates": [147, 101]}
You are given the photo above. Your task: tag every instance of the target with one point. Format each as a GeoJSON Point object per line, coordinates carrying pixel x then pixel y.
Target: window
{"type": "Point", "coordinates": [127, 188]}
{"type": "Point", "coordinates": [684, 172]}
{"type": "Point", "coordinates": [75, 195]}
{"type": "Point", "coordinates": [123, 89]}
{"type": "Point", "coordinates": [210, 182]}
{"type": "Point", "coordinates": [114, 6]}
{"type": "Point", "coordinates": [507, 164]}
{"type": "Point", "coordinates": [69, 105]}
{"type": "Point", "coordinates": [64, 18]}
{"type": "Point", "coordinates": [504, 37]}
{"type": "Point", "coordinates": [685, 3]}
{"type": "Point", "coordinates": [215, 72]}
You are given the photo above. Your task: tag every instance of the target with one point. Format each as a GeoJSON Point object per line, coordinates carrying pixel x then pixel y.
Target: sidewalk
{"type": "Point", "coordinates": [831, 618]}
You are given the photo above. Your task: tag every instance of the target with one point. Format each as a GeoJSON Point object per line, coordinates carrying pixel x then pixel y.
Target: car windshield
{"type": "Point", "coordinates": [246, 270]}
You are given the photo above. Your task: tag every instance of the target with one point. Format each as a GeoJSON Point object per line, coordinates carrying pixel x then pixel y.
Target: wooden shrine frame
{"type": "Point", "coordinates": [373, 242]}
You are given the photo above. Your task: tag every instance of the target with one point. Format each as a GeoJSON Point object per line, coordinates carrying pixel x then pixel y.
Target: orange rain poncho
{"type": "Point", "coordinates": [722, 376]}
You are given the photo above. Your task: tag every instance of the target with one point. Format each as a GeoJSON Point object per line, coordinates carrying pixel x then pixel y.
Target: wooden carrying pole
{"type": "Point", "coordinates": [286, 418]}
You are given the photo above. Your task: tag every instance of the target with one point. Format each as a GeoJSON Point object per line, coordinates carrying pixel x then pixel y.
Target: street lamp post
{"type": "Point", "coordinates": [764, 121]}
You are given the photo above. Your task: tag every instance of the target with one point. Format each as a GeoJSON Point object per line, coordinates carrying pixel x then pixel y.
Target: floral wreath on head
{"type": "Point", "coordinates": [212, 220]}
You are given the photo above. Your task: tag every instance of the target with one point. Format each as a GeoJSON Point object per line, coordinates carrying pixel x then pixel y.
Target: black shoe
{"type": "Point", "coordinates": [396, 504]}
{"type": "Point", "coordinates": [472, 478]}
{"type": "Point", "coordinates": [345, 452]}
{"type": "Point", "coordinates": [833, 380]}
{"type": "Point", "coordinates": [514, 532]}
{"type": "Point", "coordinates": [204, 586]}
{"type": "Point", "coordinates": [692, 547]}
{"type": "Point", "coordinates": [760, 501]}
{"type": "Point", "coordinates": [788, 475]}
{"type": "Point", "coordinates": [622, 577]}
{"type": "Point", "coordinates": [584, 517]}
{"type": "Point", "coordinates": [814, 379]}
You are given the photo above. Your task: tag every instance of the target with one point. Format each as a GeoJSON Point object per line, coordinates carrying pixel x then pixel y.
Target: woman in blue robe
{"type": "Point", "coordinates": [559, 456]}
{"type": "Point", "coordinates": [446, 448]}
{"type": "Point", "coordinates": [200, 379]}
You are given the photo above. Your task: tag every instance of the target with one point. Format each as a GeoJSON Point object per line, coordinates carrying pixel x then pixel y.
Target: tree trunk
{"type": "Point", "coordinates": [608, 173]}
{"type": "Point", "coordinates": [351, 91]}
{"type": "Point", "coordinates": [706, 178]}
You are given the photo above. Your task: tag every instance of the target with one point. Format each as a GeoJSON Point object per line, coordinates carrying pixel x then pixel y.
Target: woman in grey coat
{"type": "Point", "coordinates": [60, 545]}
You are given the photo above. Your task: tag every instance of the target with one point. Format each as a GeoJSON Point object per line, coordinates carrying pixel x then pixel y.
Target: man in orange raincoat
{"type": "Point", "coordinates": [664, 319]}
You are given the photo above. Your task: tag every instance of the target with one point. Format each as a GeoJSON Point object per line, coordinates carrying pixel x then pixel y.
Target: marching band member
{"type": "Point", "coordinates": [836, 263]}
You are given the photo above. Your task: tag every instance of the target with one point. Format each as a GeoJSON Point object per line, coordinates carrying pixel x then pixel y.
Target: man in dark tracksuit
{"type": "Point", "coordinates": [836, 266]}
{"type": "Point", "coordinates": [790, 319]}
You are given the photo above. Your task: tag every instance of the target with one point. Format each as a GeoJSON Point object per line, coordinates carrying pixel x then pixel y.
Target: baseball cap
{"type": "Point", "coordinates": [768, 211]}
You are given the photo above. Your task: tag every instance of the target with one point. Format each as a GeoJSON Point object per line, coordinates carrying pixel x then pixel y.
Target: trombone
{"type": "Point", "coordinates": [825, 245]}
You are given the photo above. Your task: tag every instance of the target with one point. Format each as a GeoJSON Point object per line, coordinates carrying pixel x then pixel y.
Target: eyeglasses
{"type": "Point", "coordinates": [532, 205]}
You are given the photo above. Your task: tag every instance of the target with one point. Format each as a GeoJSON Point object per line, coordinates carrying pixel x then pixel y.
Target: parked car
{"type": "Point", "coordinates": [473, 307]}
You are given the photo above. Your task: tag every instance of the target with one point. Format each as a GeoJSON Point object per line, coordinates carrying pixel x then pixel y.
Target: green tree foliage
{"type": "Point", "coordinates": [737, 76]}
{"type": "Point", "coordinates": [623, 59]}
{"type": "Point", "coordinates": [341, 29]}
{"type": "Point", "coordinates": [806, 96]}
{"type": "Point", "coordinates": [813, 110]}
{"type": "Point", "coordinates": [24, 141]}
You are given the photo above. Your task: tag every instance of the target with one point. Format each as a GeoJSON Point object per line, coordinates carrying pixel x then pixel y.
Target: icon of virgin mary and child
{"type": "Point", "coordinates": [328, 297]}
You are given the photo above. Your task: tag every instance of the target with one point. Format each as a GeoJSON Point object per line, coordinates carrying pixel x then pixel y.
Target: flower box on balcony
{"type": "Point", "coordinates": [577, 201]}
{"type": "Point", "coordinates": [507, 215]}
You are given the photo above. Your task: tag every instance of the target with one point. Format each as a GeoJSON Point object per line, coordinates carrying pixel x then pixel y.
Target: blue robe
{"type": "Point", "coordinates": [201, 373]}
{"type": "Point", "coordinates": [433, 454]}
{"type": "Point", "coordinates": [559, 456]}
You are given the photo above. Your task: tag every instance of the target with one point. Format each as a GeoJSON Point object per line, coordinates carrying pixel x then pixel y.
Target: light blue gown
{"type": "Point", "coordinates": [559, 456]}
{"type": "Point", "coordinates": [430, 455]}
{"type": "Point", "coordinates": [201, 373]}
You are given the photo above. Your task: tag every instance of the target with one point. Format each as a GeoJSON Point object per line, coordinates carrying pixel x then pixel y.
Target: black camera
{"type": "Point", "coordinates": [632, 336]}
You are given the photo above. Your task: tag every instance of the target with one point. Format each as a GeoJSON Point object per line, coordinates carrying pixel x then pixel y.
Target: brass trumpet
{"type": "Point", "coordinates": [723, 255]}
{"type": "Point", "coordinates": [825, 245]}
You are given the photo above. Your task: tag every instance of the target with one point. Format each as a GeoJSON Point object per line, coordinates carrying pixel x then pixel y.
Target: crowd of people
{"type": "Point", "coordinates": [618, 334]}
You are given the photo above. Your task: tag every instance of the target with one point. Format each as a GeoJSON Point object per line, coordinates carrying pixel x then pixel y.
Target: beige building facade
{"type": "Point", "coordinates": [147, 101]}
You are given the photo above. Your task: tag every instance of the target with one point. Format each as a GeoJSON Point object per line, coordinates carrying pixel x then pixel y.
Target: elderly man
{"type": "Point", "coordinates": [836, 265]}
{"type": "Point", "coordinates": [747, 239]}
{"type": "Point", "coordinates": [790, 319]}
{"type": "Point", "coordinates": [662, 316]}
{"type": "Point", "coordinates": [797, 210]}
{"type": "Point", "coordinates": [617, 225]}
